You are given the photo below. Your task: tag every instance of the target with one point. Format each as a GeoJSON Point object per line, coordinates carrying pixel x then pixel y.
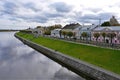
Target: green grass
{"type": "Point", "coordinates": [106, 58]}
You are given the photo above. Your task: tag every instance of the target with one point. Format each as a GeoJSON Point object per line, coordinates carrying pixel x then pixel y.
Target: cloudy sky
{"type": "Point", "coordinates": [19, 14]}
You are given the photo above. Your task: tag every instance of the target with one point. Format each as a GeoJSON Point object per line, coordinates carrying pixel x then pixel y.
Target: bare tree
{"type": "Point", "coordinates": [70, 34]}
{"type": "Point", "coordinates": [96, 35]}
{"type": "Point", "coordinates": [111, 36]}
{"type": "Point", "coordinates": [103, 35]}
{"type": "Point", "coordinates": [64, 33]}
{"type": "Point", "coordinates": [84, 35]}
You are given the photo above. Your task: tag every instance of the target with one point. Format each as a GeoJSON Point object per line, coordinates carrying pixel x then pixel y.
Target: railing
{"type": "Point", "coordinates": [99, 44]}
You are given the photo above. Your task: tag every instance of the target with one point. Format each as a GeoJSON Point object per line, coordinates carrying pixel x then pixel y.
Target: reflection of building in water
{"type": "Point", "coordinates": [64, 74]}
{"type": "Point", "coordinates": [113, 21]}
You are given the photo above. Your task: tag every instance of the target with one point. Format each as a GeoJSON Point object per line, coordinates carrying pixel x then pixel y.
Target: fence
{"type": "Point", "coordinates": [100, 44]}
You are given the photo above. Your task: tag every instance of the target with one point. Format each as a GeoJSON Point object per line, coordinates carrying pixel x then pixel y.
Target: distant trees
{"type": "Point", "coordinates": [69, 34]}
{"type": "Point", "coordinates": [111, 36]}
{"type": "Point", "coordinates": [38, 26]}
{"type": "Point", "coordinates": [107, 23]}
{"type": "Point", "coordinates": [84, 35]}
{"type": "Point", "coordinates": [64, 33]}
{"type": "Point", "coordinates": [56, 26]}
{"type": "Point", "coordinates": [47, 32]}
{"type": "Point", "coordinates": [96, 35]}
{"type": "Point", "coordinates": [74, 34]}
{"type": "Point", "coordinates": [26, 31]}
{"type": "Point", "coordinates": [103, 35]}
{"type": "Point", "coordinates": [118, 37]}
{"type": "Point", "coordinates": [112, 22]}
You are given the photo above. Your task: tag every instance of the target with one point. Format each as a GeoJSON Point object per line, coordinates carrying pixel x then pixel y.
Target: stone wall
{"type": "Point", "coordinates": [88, 71]}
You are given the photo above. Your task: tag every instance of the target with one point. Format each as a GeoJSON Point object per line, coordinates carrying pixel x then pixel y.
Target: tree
{"type": "Point", "coordinates": [47, 32]}
{"type": "Point", "coordinates": [84, 35]}
{"type": "Point", "coordinates": [56, 26]}
{"type": "Point", "coordinates": [70, 34]}
{"type": "Point", "coordinates": [60, 33]}
{"type": "Point", "coordinates": [74, 34]}
{"type": "Point", "coordinates": [64, 33]}
{"type": "Point", "coordinates": [103, 35]}
{"type": "Point", "coordinates": [96, 35]}
{"type": "Point", "coordinates": [38, 26]}
{"type": "Point", "coordinates": [118, 37]}
{"type": "Point", "coordinates": [111, 36]}
{"type": "Point", "coordinates": [107, 23]}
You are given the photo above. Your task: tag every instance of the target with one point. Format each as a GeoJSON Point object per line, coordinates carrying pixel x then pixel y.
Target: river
{"type": "Point", "coordinates": [20, 62]}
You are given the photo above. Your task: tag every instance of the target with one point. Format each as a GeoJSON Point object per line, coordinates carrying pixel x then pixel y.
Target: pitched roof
{"type": "Point", "coordinates": [114, 28]}
{"type": "Point", "coordinates": [71, 26]}
{"type": "Point", "coordinates": [56, 30]}
{"type": "Point", "coordinates": [88, 27]}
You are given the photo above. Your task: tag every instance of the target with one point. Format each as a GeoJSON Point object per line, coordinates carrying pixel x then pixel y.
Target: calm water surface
{"type": "Point", "coordinates": [20, 62]}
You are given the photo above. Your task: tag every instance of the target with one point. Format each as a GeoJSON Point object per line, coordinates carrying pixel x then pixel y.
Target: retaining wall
{"type": "Point", "coordinates": [88, 71]}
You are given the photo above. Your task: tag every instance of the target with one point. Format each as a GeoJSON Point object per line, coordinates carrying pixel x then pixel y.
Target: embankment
{"type": "Point", "coordinates": [83, 69]}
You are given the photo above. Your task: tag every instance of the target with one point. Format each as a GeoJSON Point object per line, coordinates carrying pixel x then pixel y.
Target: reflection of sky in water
{"type": "Point", "coordinates": [20, 62]}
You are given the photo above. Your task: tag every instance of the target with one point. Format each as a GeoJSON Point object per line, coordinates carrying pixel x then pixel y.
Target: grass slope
{"type": "Point", "coordinates": [105, 58]}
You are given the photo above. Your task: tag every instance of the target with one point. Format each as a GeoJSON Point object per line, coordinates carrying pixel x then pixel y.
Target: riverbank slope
{"type": "Point", "coordinates": [43, 41]}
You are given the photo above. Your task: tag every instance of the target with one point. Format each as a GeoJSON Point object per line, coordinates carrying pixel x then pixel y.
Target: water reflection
{"type": "Point", "coordinates": [20, 62]}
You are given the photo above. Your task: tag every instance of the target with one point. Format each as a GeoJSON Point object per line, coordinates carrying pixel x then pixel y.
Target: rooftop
{"type": "Point", "coordinates": [71, 26]}
{"type": "Point", "coordinates": [114, 28]}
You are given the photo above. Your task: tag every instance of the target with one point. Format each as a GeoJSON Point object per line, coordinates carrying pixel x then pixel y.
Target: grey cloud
{"type": "Point", "coordinates": [39, 19]}
{"type": "Point", "coordinates": [93, 18]}
{"type": "Point", "coordinates": [40, 16]}
{"type": "Point", "coordinates": [94, 10]}
{"type": "Point", "coordinates": [31, 5]}
{"type": "Point", "coordinates": [61, 7]}
{"type": "Point", "coordinates": [54, 15]}
{"type": "Point", "coordinates": [63, 74]}
{"type": "Point", "coordinates": [87, 18]}
{"type": "Point", "coordinates": [9, 8]}
{"type": "Point", "coordinates": [105, 15]}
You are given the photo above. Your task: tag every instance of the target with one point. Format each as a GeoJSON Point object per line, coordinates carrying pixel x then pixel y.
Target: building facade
{"type": "Point", "coordinates": [87, 29]}
{"type": "Point", "coordinates": [56, 33]}
{"type": "Point", "coordinates": [108, 38]}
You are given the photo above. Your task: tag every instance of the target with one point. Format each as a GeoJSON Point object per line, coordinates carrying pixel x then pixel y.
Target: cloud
{"type": "Point", "coordinates": [34, 18]}
{"type": "Point", "coordinates": [9, 8]}
{"type": "Point", "coordinates": [32, 6]}
{"type": "Point", "coordinates": [106, 15]}
{"type": "Point", "coordinates": [61, 7]}
{"type": "Point", "coordinates": [49, 12]}
{"type": "Point", "coordinates": [63, 74]}
{"type": "Point", "coordinates": [54, 14]}
{"type": "Point", "coordinates": [92, 16]}
{"type": "Point", "coordinates": [94, 10]}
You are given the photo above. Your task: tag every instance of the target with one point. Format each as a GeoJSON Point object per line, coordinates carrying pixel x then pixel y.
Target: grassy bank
{"type": "Point", "coordinates": [105, 58]}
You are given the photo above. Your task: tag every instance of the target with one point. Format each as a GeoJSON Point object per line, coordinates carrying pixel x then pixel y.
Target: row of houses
{"type": "Point", "coordinates": [78, 30]}
{"type": "Point", "coordinates": [91, 30]}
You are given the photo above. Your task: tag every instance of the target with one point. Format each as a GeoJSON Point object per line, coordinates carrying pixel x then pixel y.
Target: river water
{"type": "Point", "coordinates": [20, 62]}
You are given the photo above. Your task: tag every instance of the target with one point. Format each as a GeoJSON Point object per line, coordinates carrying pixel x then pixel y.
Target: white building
{"type": "Point", "coordinates": [37, 31]}
{"type": "Point", "coordinates": [87, 29]}
{"type": "Point", "coordinates": [72, 28]}
{"type": "Point", "coordinates": [56, 33]}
